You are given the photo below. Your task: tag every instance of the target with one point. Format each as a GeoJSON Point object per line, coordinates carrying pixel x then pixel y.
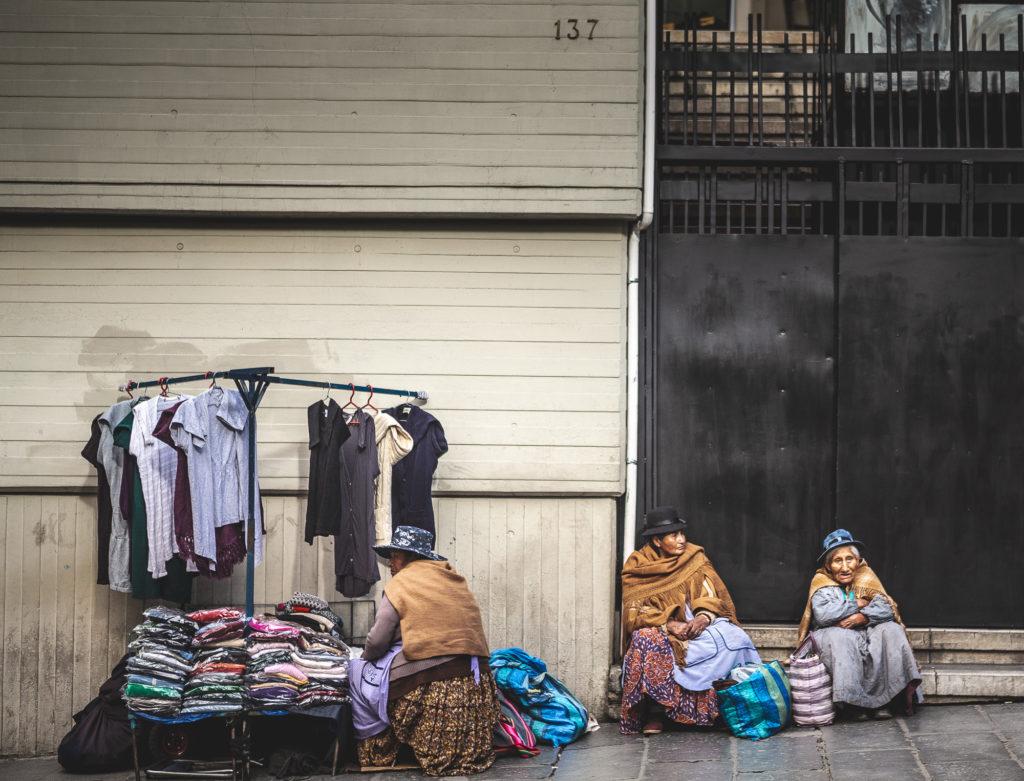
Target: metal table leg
{"type": "Point", "coordinates": [135, 748]}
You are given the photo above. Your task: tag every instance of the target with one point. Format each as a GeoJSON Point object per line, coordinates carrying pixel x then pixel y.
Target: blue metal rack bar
{"type": "Point", "coordinates": [252, 384]}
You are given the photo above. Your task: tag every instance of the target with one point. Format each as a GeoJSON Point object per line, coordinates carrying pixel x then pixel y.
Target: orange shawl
{"type": "Point", "coordinates": [866, 585]}
{"type": "Point", "coordinates": [656, 588]}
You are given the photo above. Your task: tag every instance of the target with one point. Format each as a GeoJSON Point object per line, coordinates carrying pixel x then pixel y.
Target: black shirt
{"type": "Point", "coordinates": [327, 433]}
{"type": "Point", "coordinates": [104, 509]}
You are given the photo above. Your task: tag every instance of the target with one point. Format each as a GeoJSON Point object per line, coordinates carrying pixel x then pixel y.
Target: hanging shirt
{"type": "Point", "coordinates": [177, 586]}
{"type": "Point", "coordinates": [355, 563]}
{"type": "Point", "coordinates": [113, 460]}
{"type": "Point", "coordinates": [230, 538]}
{"type": "Point", "coordinates": [104, 509]}
{"type": "Point", "coordinates": [212, 430]}
{"type": "Point", "coordinates": [327, 434]}
{"type": "Point", "coordinates": [157, 465]}
{"type": "Point", "coordinates": [413, 475]}
{"type": "Point", "coordinates": [393, 444]}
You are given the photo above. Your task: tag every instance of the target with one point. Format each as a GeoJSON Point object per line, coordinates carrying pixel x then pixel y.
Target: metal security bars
{"type": "Point", "coordinates": [824, 133]}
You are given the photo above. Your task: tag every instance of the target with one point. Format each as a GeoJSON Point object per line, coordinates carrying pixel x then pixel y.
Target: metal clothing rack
{"type": "Point", "coordinates": [252, 384]}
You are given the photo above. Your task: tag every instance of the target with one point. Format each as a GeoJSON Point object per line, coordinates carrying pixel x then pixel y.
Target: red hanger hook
{"type": "Point", "coordinates": [128, 388]}
{"type": "Point", "coordinates": [163, 385]}
{"type": "Point", "coordinates": [212, 377]}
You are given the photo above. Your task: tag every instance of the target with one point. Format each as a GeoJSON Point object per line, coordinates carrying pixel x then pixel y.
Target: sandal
{"type": "Point", "coordinates": [653, 727]}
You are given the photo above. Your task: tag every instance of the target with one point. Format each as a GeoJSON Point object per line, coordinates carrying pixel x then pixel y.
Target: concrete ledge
{"type": "Point", "coordinates": [963, 682]}
{"type": "Point", "coordinates": [931, 646]}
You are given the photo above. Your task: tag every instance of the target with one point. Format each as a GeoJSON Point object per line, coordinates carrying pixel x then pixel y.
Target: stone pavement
{"type": "Point", "coordinates": [941, 743]}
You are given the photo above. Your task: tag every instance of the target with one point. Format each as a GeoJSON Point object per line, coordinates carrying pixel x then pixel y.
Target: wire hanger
{"type": "Point", "coordinates": [369, 401]}
{"type": "Point", "coordinates": [352, 421]}
{"type": "Point", "coordinates": [326, 400]}
{"type": "Point", "coordinates": [128, 388]}
{"type": "Point", "coordinates": [213, 379]}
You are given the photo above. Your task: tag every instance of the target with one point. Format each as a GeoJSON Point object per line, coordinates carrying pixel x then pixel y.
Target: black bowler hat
{"type": "Point", "coordinates": [662, 520]}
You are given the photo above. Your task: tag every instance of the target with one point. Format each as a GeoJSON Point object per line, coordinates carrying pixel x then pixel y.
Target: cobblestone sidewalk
{"type": "Point", "coordinates": [942, 743]}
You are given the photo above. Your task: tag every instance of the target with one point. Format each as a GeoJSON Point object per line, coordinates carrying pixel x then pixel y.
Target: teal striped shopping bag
{"type": "Point", "coordinates": [760, 706]}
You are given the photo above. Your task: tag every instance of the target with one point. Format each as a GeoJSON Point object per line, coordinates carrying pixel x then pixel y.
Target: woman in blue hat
{"type": "Point", "coordinates": [860, 634]}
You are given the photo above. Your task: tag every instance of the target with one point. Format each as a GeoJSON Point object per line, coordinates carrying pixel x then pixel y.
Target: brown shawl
{"type": "Point", "coordinates": [656, 587]}
{"type": "Point", "coordinates": [437, 611]}
{"type": "Point", "coordinates": [866, 585]}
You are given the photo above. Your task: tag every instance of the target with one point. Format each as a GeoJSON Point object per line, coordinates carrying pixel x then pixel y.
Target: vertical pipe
{"type": "Point", "coordinates": [803, 91]}
{"type": "Point", "coordinates": [732, 90]}
{"type": "Point", "coordinates": [920, 95]}
{"type": "Point", "coordinates": [899, 78]}
{"type": "Point", "coordinates": [250, 527]}
{"type": "Point", "coordinates": [938, 95]}
{"type": "Point", "coordinates": [1020, 78]}
{"type": "Point", "coordinates": [760, 83]}
{"type": "Point", "coordinates": [888, 78]}
{"type": "Point", "coordinates": [967, 81]}
{"type": "Point", "coordinates": [785, 91]}
{"type": "Point", "coordinates": [984, 94]}
{"type": "Point", "coordinates": [954, 78]}
{"type": "Point", "coordinates": [871, 91]}
{"type": "Point", "coordinates": [750, 79]}
{"type": "Point", "coordinates": [1002, 94]}
{"type": "Point", "coordinates": [714, 92]}
{"type": "Point", "coordinates": [854, 83]}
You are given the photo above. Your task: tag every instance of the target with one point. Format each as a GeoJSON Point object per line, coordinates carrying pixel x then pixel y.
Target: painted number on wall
{"type": "Point", "coordinates": [575, 29]}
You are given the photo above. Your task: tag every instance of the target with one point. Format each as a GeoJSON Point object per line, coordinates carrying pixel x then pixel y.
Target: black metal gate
{"type": "Point", "coordinates": [833, 314]}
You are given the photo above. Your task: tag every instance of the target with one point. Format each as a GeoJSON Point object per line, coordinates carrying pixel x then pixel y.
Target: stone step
{"type": "Point", "coordinates": [931, 645]}
{"type": "Point", "coordinates": [942, 683]}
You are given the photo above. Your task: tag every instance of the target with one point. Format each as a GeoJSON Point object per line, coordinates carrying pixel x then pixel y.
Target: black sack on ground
{"type": "Point", "coordinates": [101, 739]}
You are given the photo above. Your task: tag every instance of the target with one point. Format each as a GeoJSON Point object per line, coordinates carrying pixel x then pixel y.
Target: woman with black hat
{"type": "Point", "coordinates": [680, 626]}
{"type": "Point", "coordinates": [859, 633]}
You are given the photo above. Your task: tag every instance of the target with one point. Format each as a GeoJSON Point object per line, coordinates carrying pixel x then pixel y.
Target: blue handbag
{"type": "Point", "coordinates": [759, 706]}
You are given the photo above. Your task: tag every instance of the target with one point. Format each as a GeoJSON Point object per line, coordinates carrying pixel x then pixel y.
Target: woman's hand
{"type": "Point", "coordinates": [697, 625]}
{"type": "Point", "coordinates": [677, 629]}
{"type": "Point", "coordinates": [862, 603]}
{"type": "Point", "coordinates": [855, 621]}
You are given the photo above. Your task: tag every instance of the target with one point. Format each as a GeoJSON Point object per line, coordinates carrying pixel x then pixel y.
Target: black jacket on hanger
{"type": "Point", "coordinates": [327, 433]}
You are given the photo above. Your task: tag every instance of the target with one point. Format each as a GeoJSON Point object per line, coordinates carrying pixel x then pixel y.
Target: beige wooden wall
{"type": "Point", "coordinates": [401, 107]}
{"type": "Point", "coordinates": [516, 333]}
{"type": "Point", "coordinates": [542, 570]}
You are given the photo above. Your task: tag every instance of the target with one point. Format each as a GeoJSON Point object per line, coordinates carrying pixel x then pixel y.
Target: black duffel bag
{"type": "Point", "coordinates": [101, 739]}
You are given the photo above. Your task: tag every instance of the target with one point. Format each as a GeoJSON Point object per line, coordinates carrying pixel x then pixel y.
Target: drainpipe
{"type": "Point", "coordinates": [633, 279]}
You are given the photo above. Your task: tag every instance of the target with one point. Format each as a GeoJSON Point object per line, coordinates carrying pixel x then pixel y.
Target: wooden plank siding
{"type": "Point", "coordinates": [432, 107]}
{"type": "Point", "coordinates": [516, 334]}
{"type": "Point", "coordinates": [538, 587]}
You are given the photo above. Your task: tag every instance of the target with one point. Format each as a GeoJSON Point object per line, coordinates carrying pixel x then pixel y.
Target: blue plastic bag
{"type": "Point", "coordinates": [759, 706]}
{"type": "Point", "coordinates": [554, 715]}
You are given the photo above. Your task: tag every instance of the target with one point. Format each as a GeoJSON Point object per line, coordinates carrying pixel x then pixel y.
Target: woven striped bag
{"type": "Point", "coordinates": [811, 684]}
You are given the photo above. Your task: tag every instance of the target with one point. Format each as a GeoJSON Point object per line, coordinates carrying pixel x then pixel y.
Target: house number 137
{"type": "Point", "coordinates": [570, 29]}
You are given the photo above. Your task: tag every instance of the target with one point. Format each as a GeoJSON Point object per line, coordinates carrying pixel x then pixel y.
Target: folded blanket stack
{"type": "Point", "coordinates": [312, 612]}
{"type": "Point", "coordinates": [272, 681]}
{"type": "Point", "coordinates": [217, 680]}
{"type": "Point", "coordinates": [160, 662]}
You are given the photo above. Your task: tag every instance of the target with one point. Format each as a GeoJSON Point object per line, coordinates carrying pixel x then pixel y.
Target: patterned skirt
{"type": "Point", "coordinates": [647, 672]}
{"type": "Point", "coordinates": [449, 725]}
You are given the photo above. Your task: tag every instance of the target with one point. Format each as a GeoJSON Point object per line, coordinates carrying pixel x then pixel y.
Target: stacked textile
{"type": "Point", "coordinates": [272, 680]}
{"type": "Point", "coordinates": [217, 680]}
{"type": "Point", "coordinates": [323, 659]}
{"type": "Point", "coordinates": [160, 662]}
{"type": "Point", "coordinates": [309, 610]}
{"type": "Point", "coordinates": [321, 656]}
